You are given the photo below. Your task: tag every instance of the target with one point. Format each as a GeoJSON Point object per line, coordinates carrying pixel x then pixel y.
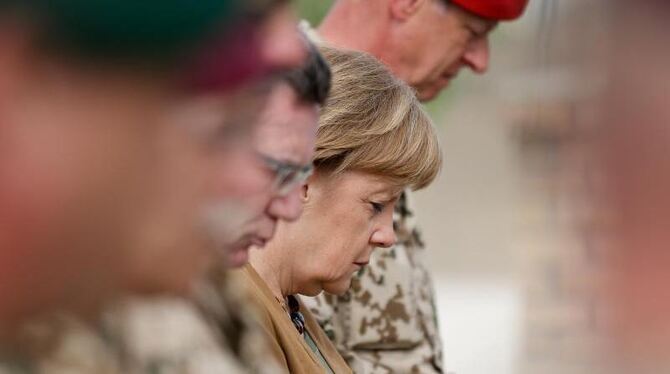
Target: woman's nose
{"type": "Point", "coordinates": [384, 237]}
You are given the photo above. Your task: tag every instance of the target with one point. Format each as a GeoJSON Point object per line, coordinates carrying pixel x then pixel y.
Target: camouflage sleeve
{"type": "Point", "coordinates": [158, 335]}
{"type": "Point", "coordinates": [62, 343]}
{"type": "Point", "coordinates": [166, 336]}
{"type": "Point", "coordinates": [386, 322]}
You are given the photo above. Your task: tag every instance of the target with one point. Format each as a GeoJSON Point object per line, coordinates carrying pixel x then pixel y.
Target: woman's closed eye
{"type": "Point", "coordinates": [377, 207]}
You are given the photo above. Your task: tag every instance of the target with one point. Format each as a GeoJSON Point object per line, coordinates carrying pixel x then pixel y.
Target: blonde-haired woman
{"type": "Point", "coordinates": [373, 141]}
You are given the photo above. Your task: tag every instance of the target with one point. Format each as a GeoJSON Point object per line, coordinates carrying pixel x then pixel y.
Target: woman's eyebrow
{"type": "Point", "coordinates": [394, 197]}
{"type": "Point", "coordinates": [387, 196]}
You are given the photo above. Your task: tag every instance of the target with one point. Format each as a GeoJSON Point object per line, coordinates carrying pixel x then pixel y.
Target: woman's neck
{"type": "Point", "coordinates": [270, 268]}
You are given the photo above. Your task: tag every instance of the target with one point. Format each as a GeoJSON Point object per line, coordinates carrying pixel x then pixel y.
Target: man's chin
{"type": "Point", "coordinates": [429, 94]}
{"type": "Point", "coordinates": [238, 258]}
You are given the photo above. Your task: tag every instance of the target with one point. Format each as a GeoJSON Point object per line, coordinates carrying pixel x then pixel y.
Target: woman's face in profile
{"type": "Point", "coordinates": [345, 218]}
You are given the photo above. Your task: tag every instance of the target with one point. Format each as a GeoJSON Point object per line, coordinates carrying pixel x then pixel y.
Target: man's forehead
{"type": "Point", "coordinates": [287, 128]}
{"type": "Point", "coordinates": [479, 24]}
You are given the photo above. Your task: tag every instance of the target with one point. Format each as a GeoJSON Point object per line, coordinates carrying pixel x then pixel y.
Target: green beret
{"type": "Point", "coordinates": [129, 28]}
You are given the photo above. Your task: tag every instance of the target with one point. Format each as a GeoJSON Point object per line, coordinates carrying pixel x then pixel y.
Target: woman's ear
{"type": "Point", "coordinates": [404, 9]}
{"type": "Point", "coordinates": [307, 189]}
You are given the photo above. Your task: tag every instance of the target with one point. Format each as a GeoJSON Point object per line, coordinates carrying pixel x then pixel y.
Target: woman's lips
{"type": "Point", "coordinates": [362, 263]}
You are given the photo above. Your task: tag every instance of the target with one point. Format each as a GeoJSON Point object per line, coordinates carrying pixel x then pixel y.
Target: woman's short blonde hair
{"type": "Point", "coordinates": [372, 122]}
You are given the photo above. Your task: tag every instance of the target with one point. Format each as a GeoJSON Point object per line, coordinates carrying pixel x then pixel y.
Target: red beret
{"type": "Point", "coordinates": [494, 9]}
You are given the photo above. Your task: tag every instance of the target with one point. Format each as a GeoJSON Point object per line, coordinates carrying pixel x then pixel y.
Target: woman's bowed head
{"type": "Point", "coordinates": [374, 140]}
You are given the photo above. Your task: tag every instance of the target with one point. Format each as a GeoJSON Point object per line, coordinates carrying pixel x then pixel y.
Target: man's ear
{"type": "Point", "coordinates": [403, 9]}
{"type": "Point", "coordinates": [304, 192]}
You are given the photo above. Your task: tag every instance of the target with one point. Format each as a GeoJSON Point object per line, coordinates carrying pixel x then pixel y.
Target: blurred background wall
{"type": "Point", "coordinates": [515, 278]}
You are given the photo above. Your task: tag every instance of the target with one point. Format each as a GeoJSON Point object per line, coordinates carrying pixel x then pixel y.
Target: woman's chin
{"type": "Point", "coordinates": [338, 288]}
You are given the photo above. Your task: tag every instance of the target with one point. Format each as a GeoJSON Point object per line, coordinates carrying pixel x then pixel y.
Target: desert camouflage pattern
{"type": "Point", "coordinates": [162, 335]}
{"type": "Point", "coordinates": [62, 344]}
{"type": "Point", "coordinates": [215, 332]}
{"type": "Point", "coordinates": [386, 322]}
{"type": "Point", "coordinates": [168, 336]}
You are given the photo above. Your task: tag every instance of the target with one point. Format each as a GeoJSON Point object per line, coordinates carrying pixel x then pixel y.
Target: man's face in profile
{"type": "Point", "coordinates": [435, 43]}
{"type": "Point", "coordinates": [285, 133]}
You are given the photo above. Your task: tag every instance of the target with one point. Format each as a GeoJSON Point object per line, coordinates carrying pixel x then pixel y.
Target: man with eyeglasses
{"type": "Point", "coordinates": [284, 144]}
{"type": "Point", "coordinates": [284, 141]}
{"type": "Point", "coordinates": [213, 330]}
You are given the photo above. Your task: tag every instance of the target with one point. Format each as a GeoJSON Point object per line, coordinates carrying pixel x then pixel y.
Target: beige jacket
{"type": "Point", "coordinates": [288, 346]}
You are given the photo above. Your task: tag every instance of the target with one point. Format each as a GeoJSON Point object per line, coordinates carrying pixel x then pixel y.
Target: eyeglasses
{"type": "Point", "coordinates": [288, 175]}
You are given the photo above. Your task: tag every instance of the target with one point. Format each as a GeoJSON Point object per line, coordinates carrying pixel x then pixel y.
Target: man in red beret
{"type": "Point", "coordinates": [387, 321]}
{"type": "Point", "coordinates": [424, 42]}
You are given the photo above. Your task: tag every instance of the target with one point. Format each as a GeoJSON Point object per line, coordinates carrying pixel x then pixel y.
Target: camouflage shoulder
{"type": "Point", "coordinates": [64, 343]}
{"type": "Point", "coordinates": [167, 335]}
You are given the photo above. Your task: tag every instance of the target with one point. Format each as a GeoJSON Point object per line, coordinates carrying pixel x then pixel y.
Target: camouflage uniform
{"type": "Point", "coordinates": [161, 335]}
{"type": "Point", "coordinates": [153, 336]}
{"type": "Point", "coordinates": [62, 344]}
{"type": "Point", "coordinates": [167, 336]}
{"type": "Point", "coordinates": [386, 322]}
{"type": "Point", "coordinates": [215, 333]}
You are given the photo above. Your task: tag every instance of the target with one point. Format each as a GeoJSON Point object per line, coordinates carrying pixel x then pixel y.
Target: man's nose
{"type": "Point", "coordinates": [287, 208]}
{"type": "Point", "coordinates": [476, 56]}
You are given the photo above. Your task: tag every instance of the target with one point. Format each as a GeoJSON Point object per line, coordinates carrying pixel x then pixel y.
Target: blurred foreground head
{"type": "Point", "coordinates": [111, 113]}
{"type": "Point", "coordinates": [636, 139]}
{"type": "Point", "coordinates": [424, 42]}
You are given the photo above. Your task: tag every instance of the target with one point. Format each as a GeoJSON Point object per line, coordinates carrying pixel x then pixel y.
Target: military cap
{"type": "Point", "coordinates": [124, 27]}
{"type": "Point", "coordinates": [500, 10]}
{"type": "Point", "coordinates": [212, 42]}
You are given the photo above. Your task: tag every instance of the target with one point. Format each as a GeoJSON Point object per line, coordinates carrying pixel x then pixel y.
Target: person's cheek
{"type": "Point", "coordinates": [239, 188]}
{"type": "Point", "coordinates": [239, 175]}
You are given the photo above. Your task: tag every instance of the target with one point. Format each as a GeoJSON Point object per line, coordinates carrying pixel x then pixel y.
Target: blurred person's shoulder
{"type": "Point", "coordinates": [166, 334]}
{"type": "Point", "coordinates": [61, 342]}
